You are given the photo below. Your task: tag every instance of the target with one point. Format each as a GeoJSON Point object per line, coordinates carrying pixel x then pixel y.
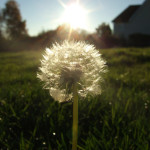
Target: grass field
{"type": "Point", "coordinates": [118, 119]}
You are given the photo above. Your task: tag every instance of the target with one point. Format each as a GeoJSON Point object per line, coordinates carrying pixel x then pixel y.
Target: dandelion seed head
{"type": "Point", "coordinates": [68, 63]}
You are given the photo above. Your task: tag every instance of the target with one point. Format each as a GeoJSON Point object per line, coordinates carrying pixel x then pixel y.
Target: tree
{"type": "Point", "coordinates": [1, 23]}
{"type": "Point", "coordinates": [104, 30]}
{"type": "Point", "coordinates": [15, 26]}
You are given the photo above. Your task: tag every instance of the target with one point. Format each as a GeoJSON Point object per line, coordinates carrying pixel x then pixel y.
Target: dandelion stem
{"type": "Point", "coordinates": [75, 117]}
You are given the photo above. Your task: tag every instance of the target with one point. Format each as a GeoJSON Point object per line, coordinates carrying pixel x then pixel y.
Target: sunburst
{"type": "Point", "coordinates": [75, 15]}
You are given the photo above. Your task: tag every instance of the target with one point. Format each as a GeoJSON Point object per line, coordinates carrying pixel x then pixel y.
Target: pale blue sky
{"type": "Point", "coordinates": [44, 14]}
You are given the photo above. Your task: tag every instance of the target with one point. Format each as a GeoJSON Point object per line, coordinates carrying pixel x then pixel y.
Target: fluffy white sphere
{"type": "Point", "coordinates": [68, 63]}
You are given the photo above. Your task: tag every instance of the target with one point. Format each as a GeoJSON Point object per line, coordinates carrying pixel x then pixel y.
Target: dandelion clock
{"type": "Point", "coordinates": [71, 70]}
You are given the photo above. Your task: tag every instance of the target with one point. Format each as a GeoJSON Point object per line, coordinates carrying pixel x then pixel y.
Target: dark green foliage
{"type": "Point", "coordinates": [116, 120]}
{"type": "Point", "coordinates": [16, 28]}
{"type": "Point", "coordinates": [104, 30]}
{"type": "Point", "coordinates": [139, 39]}
{"type": "Point", "coordinates": [13, 32]}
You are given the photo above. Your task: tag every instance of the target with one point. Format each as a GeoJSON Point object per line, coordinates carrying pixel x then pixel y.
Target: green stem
{"type": "Point", "coordinates": [75, 117]}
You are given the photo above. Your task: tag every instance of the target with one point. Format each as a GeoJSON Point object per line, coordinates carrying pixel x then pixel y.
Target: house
{"type": "Point", "coordinates": [133, 20]}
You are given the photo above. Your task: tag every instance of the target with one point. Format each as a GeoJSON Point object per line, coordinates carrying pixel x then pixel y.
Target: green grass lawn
{"type": "Point", "coordinates": [118, 119]}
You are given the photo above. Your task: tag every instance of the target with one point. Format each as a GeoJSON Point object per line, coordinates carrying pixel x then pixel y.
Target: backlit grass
{"type": "Point", "coordinates": [118, 119]}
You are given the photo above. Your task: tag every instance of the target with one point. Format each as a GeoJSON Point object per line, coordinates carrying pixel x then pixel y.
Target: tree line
{"type": "Point", "coordinates": [14, 35]}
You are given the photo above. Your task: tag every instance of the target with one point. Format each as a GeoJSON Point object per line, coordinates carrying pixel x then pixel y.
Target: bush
{"type": "Point", "coordinates": [138, 39]}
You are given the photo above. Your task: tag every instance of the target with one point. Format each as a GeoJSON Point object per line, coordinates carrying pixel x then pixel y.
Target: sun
{"type": "Point", "coordinates": [75, 16]}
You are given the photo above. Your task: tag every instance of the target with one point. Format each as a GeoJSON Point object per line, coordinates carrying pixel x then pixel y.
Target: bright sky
{"type": "Point", "coordinates": [47, 14]}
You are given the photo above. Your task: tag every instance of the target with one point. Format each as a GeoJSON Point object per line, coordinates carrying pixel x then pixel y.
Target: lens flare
{"type": "Point", "coordinates": [75, 15]}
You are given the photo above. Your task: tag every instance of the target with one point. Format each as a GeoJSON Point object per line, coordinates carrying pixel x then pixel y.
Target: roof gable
{"type": "Point", "coordinates": [126, 14]}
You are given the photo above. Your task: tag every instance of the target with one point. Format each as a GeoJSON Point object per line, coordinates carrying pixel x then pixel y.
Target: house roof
{"type": "Point", "coordinates": [126, 14]}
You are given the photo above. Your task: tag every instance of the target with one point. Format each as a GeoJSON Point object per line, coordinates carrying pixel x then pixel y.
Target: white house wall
{"type": "Point", "coordinates": [120, 30]}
